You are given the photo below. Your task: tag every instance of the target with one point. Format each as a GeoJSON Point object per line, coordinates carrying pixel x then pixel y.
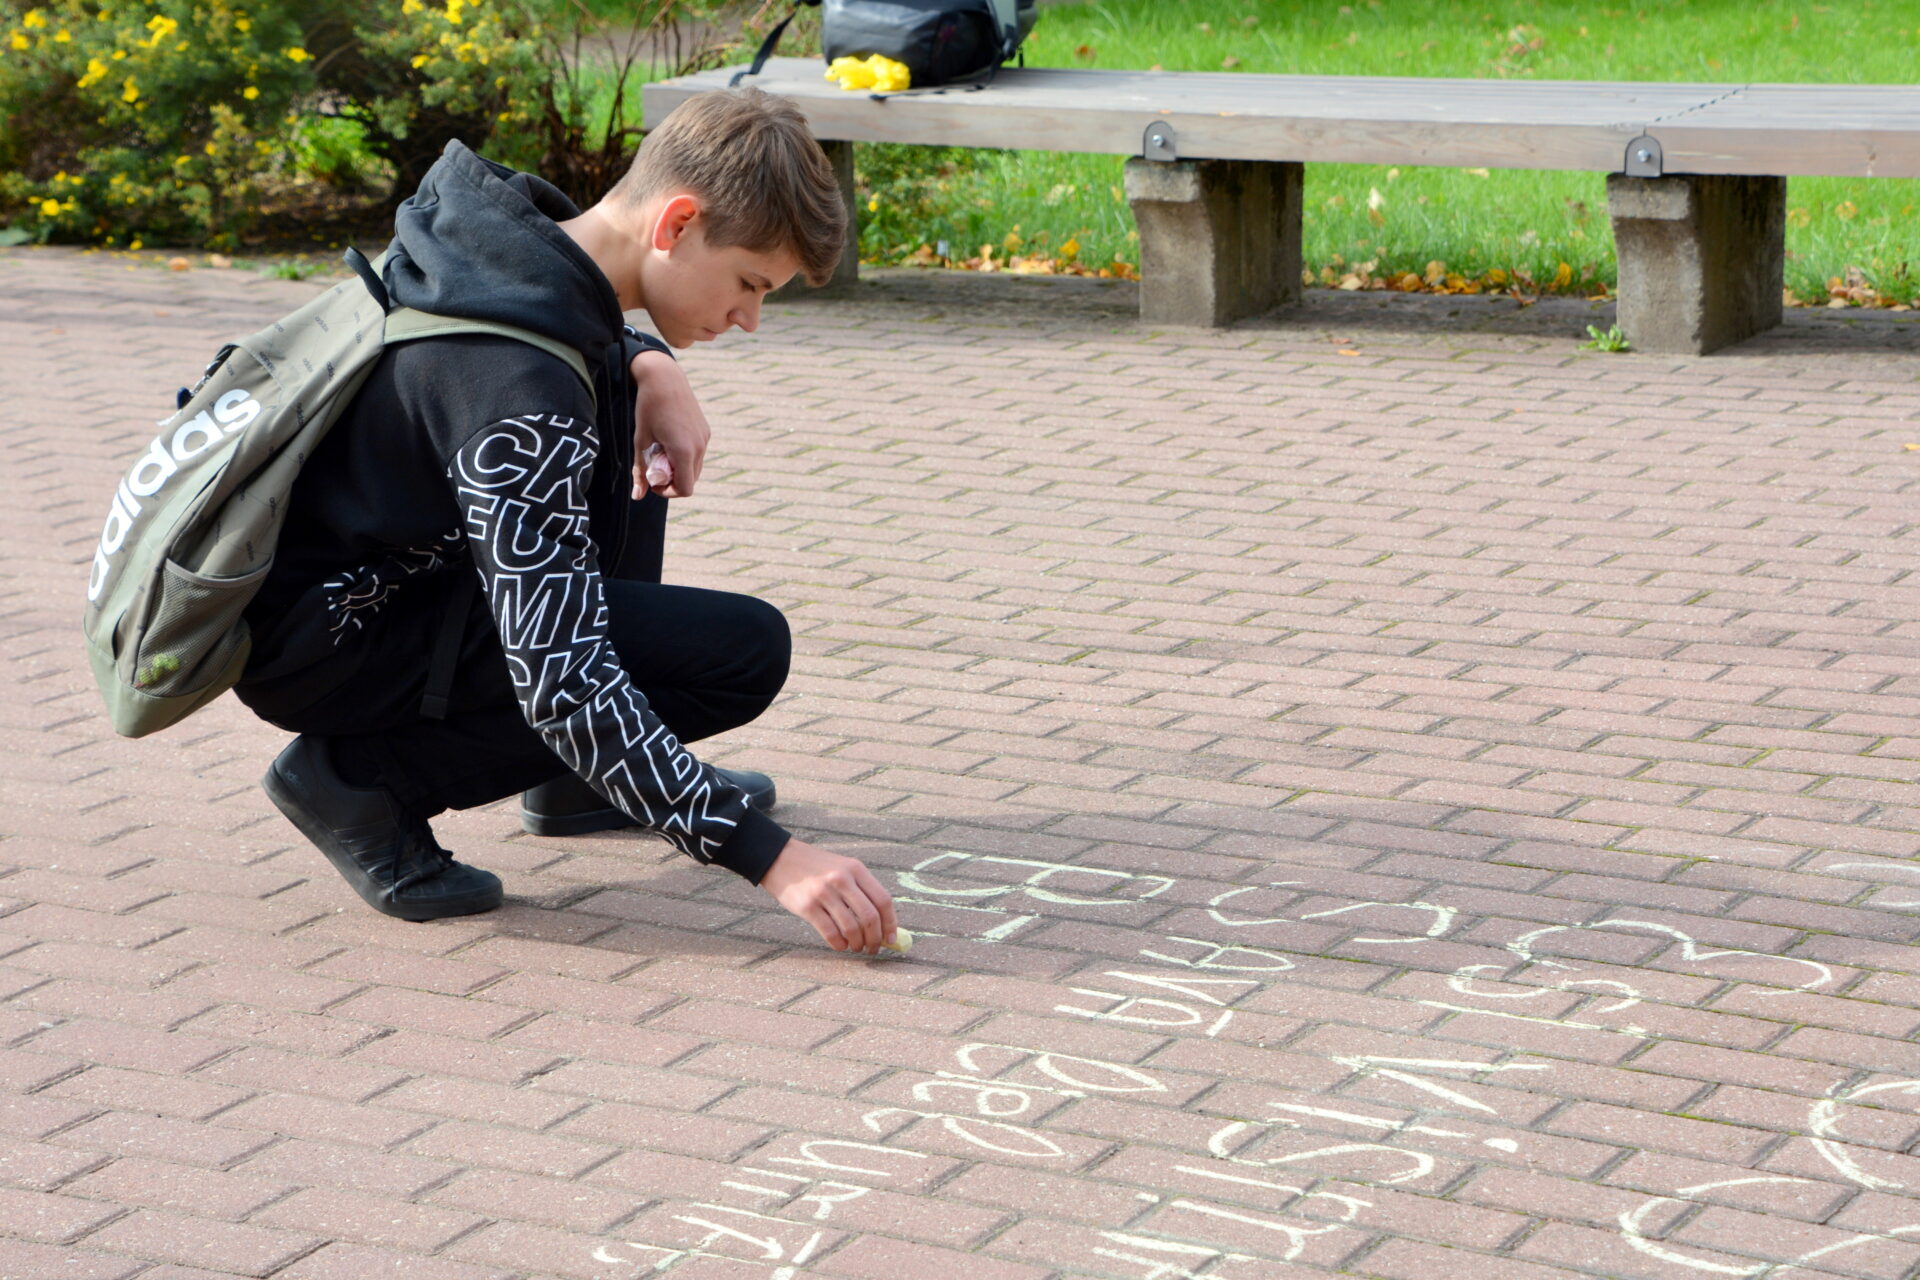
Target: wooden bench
{"type": "Point", "coordinates": [1696, 184]}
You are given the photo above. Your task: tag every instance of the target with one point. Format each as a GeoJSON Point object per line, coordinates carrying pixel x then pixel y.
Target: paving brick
{"type": "Point", "coordinates": [161, 1138]}
{"type": "Point", "coordinates": [283, 1029]}
{"type": "Point", "coordinates": [411, 1051]}
{"type": "Point", "coordinates": [51, 1218]}
{"type": "Point", "coordinates": [1417, 1260]}
{"type": "Point", "coordinates": [518, 1248]}
{"type": "Point", "coordinates": [333, 1164]}
{"type": "Point", "coordinates": [606, 1041]}
{"type": "Point", "coordinates": [196, 1242]}
{"type": "Point", "coordinates": [323, 1119]}
{"type": "Point", "coordinates": [1811, 1198]}
{"type": "Point", "coordinates": [159, 1184]}
{"type": "Point", "coordinates": [118, 1045]}
{"type": "Point", "coordinates": [554, 1202]}
{"type": "Point", "coordinates": [1764, 1236]}
{"type": "Point", "coordinates": [424, 1011]}
{"type": "Point", "coordinates": [550, 1155]}
{"type": "Point", "coordinates": [359, 1218]}
{"type": "Point", "coordinates": [24, 1258]}
{"type": "Point", "coordinates": [877, 1258]}
{"type": "Point", "coordinates": [187, 1099]}
{"type": "Point", "coordinates": [357, 1262]}
{"type": "Point", "coordinates": [481, 1102]}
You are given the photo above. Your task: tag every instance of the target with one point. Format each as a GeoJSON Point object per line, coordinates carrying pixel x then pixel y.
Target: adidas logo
{"type": "Point", "coordinates": [192, 439]}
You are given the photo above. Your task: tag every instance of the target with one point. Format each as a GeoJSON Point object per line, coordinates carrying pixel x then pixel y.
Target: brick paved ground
{"type": "Point", "coordinates": [1393, 795]}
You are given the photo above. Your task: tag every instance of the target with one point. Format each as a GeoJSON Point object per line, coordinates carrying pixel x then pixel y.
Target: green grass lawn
{"type": "Point", "coordinates": [1472, 221]}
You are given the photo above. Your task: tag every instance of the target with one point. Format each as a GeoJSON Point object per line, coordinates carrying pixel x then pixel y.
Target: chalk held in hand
{"type": "Point", "coordinates": [902, 941]}
{"type": "Point", "coordinates": [659, 466]}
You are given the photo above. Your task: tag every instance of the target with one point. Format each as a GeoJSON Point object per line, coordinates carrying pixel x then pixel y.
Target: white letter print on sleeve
{"type": "Point", "coordinates": [521, 485]}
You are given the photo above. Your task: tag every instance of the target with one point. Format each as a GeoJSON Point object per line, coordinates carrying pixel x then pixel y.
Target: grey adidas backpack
{"type": "Point", "coordinates": [191, 531]}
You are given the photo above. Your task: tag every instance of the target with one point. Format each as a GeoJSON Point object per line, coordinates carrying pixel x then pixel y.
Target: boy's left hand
{"type": "Point", "coordinates": [666, 412]}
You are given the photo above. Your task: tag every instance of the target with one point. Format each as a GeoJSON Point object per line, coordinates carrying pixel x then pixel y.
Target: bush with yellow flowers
{"type": "Point", "coordinates": [154, 119]}
{"type": "Point", "coordinates": [178, 121]}
{"type": "Point", "coordinates": [174, 120]}
{"type": "Point", "coordinates": [414, 74]}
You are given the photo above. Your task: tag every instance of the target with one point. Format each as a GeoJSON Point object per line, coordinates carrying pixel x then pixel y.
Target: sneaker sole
{"type": "Point", "coordinates": [573, 824]}
{"type": "Point", "coordinates": [320, 837]}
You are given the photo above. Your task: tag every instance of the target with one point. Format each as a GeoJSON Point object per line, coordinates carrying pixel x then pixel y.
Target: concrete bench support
{"type": "Point", "coordinates": [847, 274]}
{"type": "Point", "coordinates": [1702, 258]}
{"type": "Point", "coordinates": [1219, 239]}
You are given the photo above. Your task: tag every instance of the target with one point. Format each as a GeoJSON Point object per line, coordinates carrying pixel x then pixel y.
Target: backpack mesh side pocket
{"type": "Point", "coordinates": [190, 639]}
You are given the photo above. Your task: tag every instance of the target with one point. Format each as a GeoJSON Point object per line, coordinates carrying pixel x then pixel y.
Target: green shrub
{"type": "Point", "coordinates": [153, 120]}
{"type": "Point", "coordinates": [177, 119]}
{"type": "Point", "coordinates": [180, 120]}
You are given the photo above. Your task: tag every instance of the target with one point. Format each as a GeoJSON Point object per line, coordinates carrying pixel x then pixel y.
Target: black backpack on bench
{"type": "Point", "coordinates": [939, 41]}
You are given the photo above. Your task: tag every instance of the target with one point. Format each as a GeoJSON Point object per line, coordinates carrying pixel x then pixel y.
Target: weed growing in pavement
{"type": "Point", "coordinates": [1609, 340]}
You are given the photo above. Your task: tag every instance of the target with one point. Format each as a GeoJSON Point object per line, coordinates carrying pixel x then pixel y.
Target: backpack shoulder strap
{"type": "Point", "coordinates": [405, 325]}
{"type": "Point", "coordinates": [768, 45]}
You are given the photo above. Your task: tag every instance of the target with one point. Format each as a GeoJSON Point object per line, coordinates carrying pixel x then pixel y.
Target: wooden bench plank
{"type": "Point", "coordinates": [1847, 130]}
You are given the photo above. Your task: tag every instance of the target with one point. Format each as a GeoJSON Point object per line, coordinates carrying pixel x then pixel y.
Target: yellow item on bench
{"type": "Point", "coordinates": [881, 74]}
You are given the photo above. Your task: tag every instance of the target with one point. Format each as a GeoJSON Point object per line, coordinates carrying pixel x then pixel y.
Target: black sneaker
{"type": "Point", "coordinates": [567, 806]}
{"type": "Point", "coordinates": [388, 855]}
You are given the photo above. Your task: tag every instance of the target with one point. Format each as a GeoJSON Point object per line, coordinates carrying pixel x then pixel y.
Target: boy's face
{"type": "Point", "coordinates": [694, 291]}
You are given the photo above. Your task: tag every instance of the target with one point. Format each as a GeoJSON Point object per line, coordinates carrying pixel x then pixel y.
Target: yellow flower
{"type": "Point", "coordinates": [34, 18]}
{"type": "Point", "coordinates": [420, 60]}
{"type": "Point", "coordinates": [210, 149]}
{"type": "Point", "coordinates": [96, 72]}
{"type": "Point", "coordinates": [411, 6]}
{"type": "Point", "coordinates": [297, 54]}
{"type": "Point", "coordinates": [133, 244]}
{"type": "Point", "coordinates": [49, 208]}
{"type": "Point", "coordinates": [873, 204]}
{"type": "Point", "coordinates": [243, 23]}
{"type": "Point", "coordinates": [62, 36]}
{"type": "Point", "coordinates": [454, 8]}
{"type": "Point", "coordinates": [162, 27]}
{"type": "Point", "coordinates": [250, 93]}
{"type": "Point", "coordinates": [20, 41]}
{"type": "Point", "coordinates": [131, 93]}
{"type": "Point", "coordinates": [118, 54]}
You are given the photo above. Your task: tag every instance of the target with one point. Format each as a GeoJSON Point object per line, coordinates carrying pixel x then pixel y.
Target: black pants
{"type": "Point", "coordinates": [706, 661]}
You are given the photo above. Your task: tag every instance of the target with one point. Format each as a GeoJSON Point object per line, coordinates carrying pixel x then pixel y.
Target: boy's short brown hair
{"type": "Point", "coordinates": [764, 181]}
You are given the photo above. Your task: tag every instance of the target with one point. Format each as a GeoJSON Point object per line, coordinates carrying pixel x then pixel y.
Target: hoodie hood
{"type": "Point", "coordinates": [478, 240]}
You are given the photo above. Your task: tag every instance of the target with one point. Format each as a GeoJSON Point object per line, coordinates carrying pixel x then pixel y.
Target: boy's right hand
{"type": "Point", "coordinates": [665, 412]}
{"type": "Point", "coordinates": [835, 894]}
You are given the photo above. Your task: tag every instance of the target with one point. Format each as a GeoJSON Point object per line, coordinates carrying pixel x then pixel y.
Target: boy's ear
{"type": "Point", "coordinates": [676, 215]}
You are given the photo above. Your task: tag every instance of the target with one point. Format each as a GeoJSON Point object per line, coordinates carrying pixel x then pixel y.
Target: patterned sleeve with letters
{"type": "Point", "coordinates": [521, 485]}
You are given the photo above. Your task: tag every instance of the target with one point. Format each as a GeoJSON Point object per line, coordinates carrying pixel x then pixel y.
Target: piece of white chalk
{"type": "Point", "coordinates": [902, 941]}
{"type": "Point", "coordinates": [658, 466]}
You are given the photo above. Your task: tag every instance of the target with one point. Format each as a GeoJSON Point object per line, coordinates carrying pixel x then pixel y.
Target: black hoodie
{"type": "Point", "coordinates": [483, 451]}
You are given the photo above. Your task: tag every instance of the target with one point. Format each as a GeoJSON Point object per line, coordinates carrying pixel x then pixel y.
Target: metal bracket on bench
{"type": "Point", "coordinates": [1643, 157]}
{"type": "Point", "coordinates": [1159, 142]}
